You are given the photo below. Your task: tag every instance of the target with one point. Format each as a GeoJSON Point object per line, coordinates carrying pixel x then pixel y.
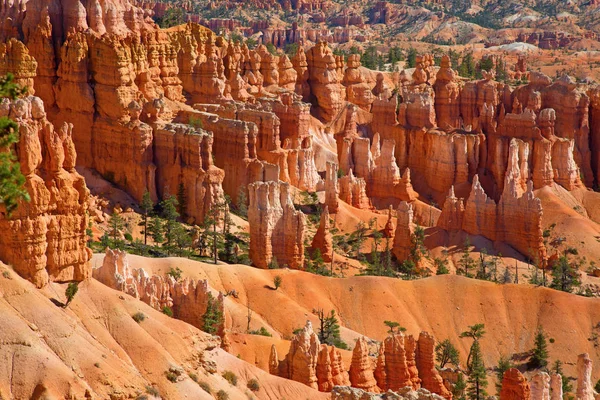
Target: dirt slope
{"type": "Point", "coordinates": [443, 305]}
{"type": "Point", "coordinates": [94, 347]}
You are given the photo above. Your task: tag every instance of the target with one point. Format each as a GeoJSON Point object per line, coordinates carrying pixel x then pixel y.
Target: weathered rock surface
{"type": "Point", "coordinates": [187, 298]}
{"type": "Point", "coordinates": [276, 228]}
{"type": "Point", "coordinates": [515, 386]}
{"type": "Point", "coordinates": [53, 223]}
{"type": "Point", "coordinates": [362, 368]}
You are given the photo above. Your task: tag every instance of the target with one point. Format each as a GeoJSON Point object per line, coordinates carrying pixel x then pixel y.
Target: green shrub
{"type": "Point", "coordinates": [277, 281]}
{"type": "Point", "coordinates": [222, 395]}
{"type": "Point", "coordinates": [230, 377]}
{"type": "Point", "coordinates": [253, 385]}
{"type": "Point", "coordinates": [262, 332]}
{"type": "Point", "coordinates": [128, 237]}
{"type": "Point", "coordinates": [138, 317]}
{"type": "Point", "coordinates": [193, 377]}
{"type": "Point", "coordinates": [172, 376]}
{"type": "Point", "coordinates": [167, 311]}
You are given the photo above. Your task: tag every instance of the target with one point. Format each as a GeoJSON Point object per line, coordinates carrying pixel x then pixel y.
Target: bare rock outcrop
{"type": "Point", "coordinates": [53, 223]}
{"type": "Point", "coordinates": [585, 387]}
{"type": "Point", "coordinates": [323, 240]}
{"type": "Point", "coordinates": [187, 298]}
{"type": "Point", "coordinates": [428, 373]}
{"type": "Point", "coordinates": [362, 368]}
{"type": "Point", "coordinates": [276, 228]}
{"type": "Point", "coordinates": [514, 386]}
{"type": "Point", "coordinates": [324, 81]}
{"type": "Point", "coordinates": [540, 386]}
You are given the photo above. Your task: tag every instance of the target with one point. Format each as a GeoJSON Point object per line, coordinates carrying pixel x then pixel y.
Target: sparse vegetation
{"type": "Point", "coordinates": [277, 281]}
{"type": "Point", "coordinates": [261, 332]}
{"type": "Point", "coordinates": [167, 311]}
{"type": "Point", "coordinates": [205, 386]}
{"type": "Point", "coordinates": [230, 377]}
{"type": "Point", "coordinates": [213, 317]}
{"type": "Point", "coordinates": [138, 317]}
{"type": "Point", "coordinates": [253, 385]}
{"type": "Point", "coordinates": [71, 291]}
{"type": "Point", "coordinates": [222, 395]}
{"type": "Point", "coordinates": [151, 390]}
{"type": "Point", "coordinates": [446, 353]}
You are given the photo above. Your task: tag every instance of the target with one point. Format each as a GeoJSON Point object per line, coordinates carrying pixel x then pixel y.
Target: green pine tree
{"type": "Point", "coordinates": [565, 276]}
{"type": "Point", "coordinates": [477, 375]}
{"type": "Point", "coordinates": [156, 229]}
{"type": "Point", "coordinates": [170, 215]}
{"type": "Point", "coordinates": [539, 358]}
{"type": "Point", "coordinates": [147, 206]}
{"type": "Point", "coordinates": [213, 317]}
{"type": "Point", "coordinates": [116, 225]}
{"type": "Point", "coordinates": [329, 329]}
{"type": "Point", "coordinates": [446, 353]}
{"type": "Point", "coordinates": [504, 364]}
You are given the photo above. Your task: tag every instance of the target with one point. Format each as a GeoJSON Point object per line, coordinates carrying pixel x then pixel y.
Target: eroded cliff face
{"type": "Point", "coordinates": [276, 228]}
{"type": "Point", "coordinates": [187, 298]}
{"type": "Point", "coordinates": [45, 239]}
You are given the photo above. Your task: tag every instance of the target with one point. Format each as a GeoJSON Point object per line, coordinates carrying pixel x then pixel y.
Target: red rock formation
{"type": "Point", "coordinates": [514, 386]}
{"type": "Point", "coordinates": [323, 240]}
{"type": "Point", "coordinates": [404, 231]}
{"type": "Point", "coordinates": [54, 221]}
{"type": "Point", "coordinates": [397, 371]}
{"type": "Point", "coordinates": [515, 220]}
{"type": "Point", "coordinates": [428, 373]}
{"type": "Point", "coordinates": [361, 369]}
{"type": "Point", "coordinates": [330, 369]}
{"type": "Point", "coordinates": [540, 386]}
{"type": "Point", "coordinates": [276, 228]}
{"type": "Point", "coordinates": [301, 361]}
{"type": "Point", "coordinates": [585, 387]}
{"type": "Point", "coordinates": [556, 390]}
{"type": "Point", "coordinates": [447, 92]}
{"type": "Point", "coordinates": [324, 81]}
{"type": "Point", "coordinates": [357, 91]}
{"type": "Point", "coordinates": [331, 187]}
{"type": "Point", "coordinates": [187, 298]}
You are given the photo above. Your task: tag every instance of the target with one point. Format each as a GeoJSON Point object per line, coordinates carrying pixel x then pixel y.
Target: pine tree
{"type": "Point", "coordinates": [116, 224]}
{"type": "Point", "coordinates": [213, 317]}
{"type": "Point", "coordinates": [147, 206]}
{"type": "Point", "coordinates": [504, 364]}
{"type": "Point", "coordinates": [12, 180]}
{"type": "Point", "coordinates": [539, 358]}
{"type": "Point", "coordinates": [459, 387]}
{"type": "Point", "coordinates": [71, 291]}
{"type": "Point", "coordinates": [329, 329]}
{"type": "Point", "coordinates": [170, 214]}
{"type": "Point", "coordinates": [242, 207]}
{"type": "Point", "coordinates": [156, 228]}
{"type": "Point", "coordinates": [564, 276]}
{"type": "Point", "coordinates": [411, 59]}
{"type": "Point", "coordinates": [475, 332]}
{"type": "Point", "coordinates": [446, 353]}
{"type": "Point", "coordinates": [477, 375]}
{"type": "Point", "coordinates": [466, 263]}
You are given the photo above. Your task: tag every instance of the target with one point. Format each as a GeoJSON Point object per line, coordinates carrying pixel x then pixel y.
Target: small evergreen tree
{"type": "Point", "coordinates": [394, 325]}
{"type": "Point", "coordinates": [477, 375]}
{"type": "Point", "coordinates": [147, 206]}
{"type": "Point", "coordinates": [116, 225]}
{"type": "Point", "coordinates": [213, 317]}
{"type": "Point", "coordinates": [475, 332]}
{"type": "Point", "coordinates": [411, 58]}
{"type": "Point", "coordinates": [170, 214]}
{"type": "Point", "coordinates": [329, 329]}
{"type": "Point", "coordinates": [277, 281]}
{"type": "Point", "coordinates": [441, 266]}
{"type": "Point", "coordinates": [71, 291]}
{"type": "Point", "coordinates": [504, 364]}
{"type": "Point", "coordinates": [156, 228]}
{"type": "Point", "coordinates": [565, 276]}
{"type": "Point", "coordinates": [466, 263]}
{"type": "Point", "coordinates": [539, 358]}
{"type": "Point", "coordinates": [459, 387]}
{"type": "Point", "coordinates": [446, 353]}
{"type": "Point", "coordinates": [242, 199]}
{"type": "Point", "coordinates": [507, 276]}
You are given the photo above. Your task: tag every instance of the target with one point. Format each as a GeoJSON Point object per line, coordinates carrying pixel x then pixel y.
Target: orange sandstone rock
{"type": "Point", "coordinates": [514, 386]}
{"type": "Point", "coordinates": [361, 369]}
